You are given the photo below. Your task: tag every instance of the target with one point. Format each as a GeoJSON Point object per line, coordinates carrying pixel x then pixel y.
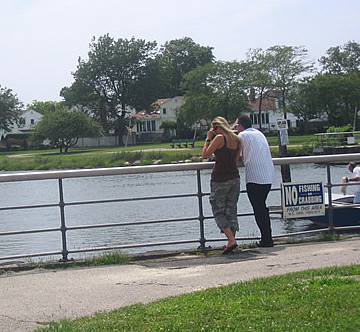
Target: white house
{"type": "Point", "coordinates": [28, 119]}
{"type": "Point", "coordinates": [148, 123]}
{"type": "Point", "coordinates": [270, 113]}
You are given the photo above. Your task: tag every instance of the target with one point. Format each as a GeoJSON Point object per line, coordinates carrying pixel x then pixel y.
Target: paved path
{"type": "Point", "coordinates": [34, 297]}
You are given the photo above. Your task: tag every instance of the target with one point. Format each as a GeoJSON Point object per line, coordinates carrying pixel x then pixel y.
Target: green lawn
{"type": "Point", "coordinates": [315, 300]}
{"type": "Point", "coordinates": [120, 156]}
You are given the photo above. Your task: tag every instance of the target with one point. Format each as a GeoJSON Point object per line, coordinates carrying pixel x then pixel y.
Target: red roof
{"type": "Point", "coordinates": [268, 102]}
{"type": "Point", "coordinates": [143, 115]}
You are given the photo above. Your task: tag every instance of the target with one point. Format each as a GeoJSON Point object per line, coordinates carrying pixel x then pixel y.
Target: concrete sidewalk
{"type": "Point", "coordinates": [31, 298]}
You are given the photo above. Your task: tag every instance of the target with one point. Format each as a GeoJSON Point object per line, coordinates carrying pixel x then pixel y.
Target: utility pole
{"type": "Point", "coordinates": [283, 141]}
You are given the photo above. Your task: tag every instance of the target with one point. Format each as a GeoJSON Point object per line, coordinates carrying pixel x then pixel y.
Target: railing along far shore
{"type": "Point", "coordinates": [63, 228]}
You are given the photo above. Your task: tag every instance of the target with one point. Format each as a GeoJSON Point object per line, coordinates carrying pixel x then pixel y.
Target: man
{"type": "Point", "coordinates": [356, 170]}
{"type": "Point", "coordinates": [259, 174]}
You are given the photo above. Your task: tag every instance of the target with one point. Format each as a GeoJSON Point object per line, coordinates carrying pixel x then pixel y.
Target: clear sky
{"type": "Point", "coordinates": [41, 40]}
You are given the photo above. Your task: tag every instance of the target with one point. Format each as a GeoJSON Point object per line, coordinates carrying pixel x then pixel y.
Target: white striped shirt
{"type": "Point", "coordinates": [259, 167]}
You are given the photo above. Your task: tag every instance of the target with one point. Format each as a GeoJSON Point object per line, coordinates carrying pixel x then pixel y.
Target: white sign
{"type": "Point", "coordinates": [281, 124]}
{"type": "Point", "coordinates": [284, 137]}
{"type": "Point", "coordinates": [302, 199]}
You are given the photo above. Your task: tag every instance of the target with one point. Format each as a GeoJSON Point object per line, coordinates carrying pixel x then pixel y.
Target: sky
{"type": "Point", "coordinates": [42, 40]}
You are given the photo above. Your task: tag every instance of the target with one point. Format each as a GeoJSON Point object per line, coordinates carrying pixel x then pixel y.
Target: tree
{"type": "Point", "coordinates": [44, 107]}
{"type": "Point", "coordinates": [169, 128]}
{"type": "Point", "coordinates": [338, 96]}
{"type": "Point", "coordinates": [184, 55]}
{"type": "Point", "coordinates": [111, 78]}
{"type": "Point", "coordinates": [10, 107]}
{"type": "Point", "coordinates": [216, 89]}
{"type": "Point", "coordinates": [63, 128]}
{"type": "Point", "coordinates": [289, 65]}
{"type": "Point", "coordinates": [259, 66]}
{"type": "Point", "coordinates": [342, 59]}
{"type": "Point", "coordinates": [304, 101]}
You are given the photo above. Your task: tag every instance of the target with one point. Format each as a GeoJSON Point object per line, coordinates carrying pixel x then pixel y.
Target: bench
{"type": "Point", "coordinates": [182, 143]}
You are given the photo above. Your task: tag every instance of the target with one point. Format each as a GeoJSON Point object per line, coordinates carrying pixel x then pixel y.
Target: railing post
{"type": "Point", "coordinates": [201, 211]}
{"type": "Point", "coordinates": [63, 224]}
{"type": "Point", "coordinates": [330, 206]}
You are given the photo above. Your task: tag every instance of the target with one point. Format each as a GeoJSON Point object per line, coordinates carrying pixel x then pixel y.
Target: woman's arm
{"type": "Point", "coordinates": [210, 148]}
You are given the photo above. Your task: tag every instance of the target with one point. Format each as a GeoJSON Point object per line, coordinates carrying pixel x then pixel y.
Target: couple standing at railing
{"type": "Point", "coordinates": [251, 146]}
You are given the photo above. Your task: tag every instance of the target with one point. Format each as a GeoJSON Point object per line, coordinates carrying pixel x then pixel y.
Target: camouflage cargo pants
{"type": "Point", "coordinates": [223, 199]}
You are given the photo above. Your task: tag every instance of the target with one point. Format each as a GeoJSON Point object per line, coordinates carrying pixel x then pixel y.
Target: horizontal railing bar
{"type": "Point", "coordinates": [42, 230]}
{"type": "Point", "coordinates": [29, 206]}
{"type": "Point", "coordinates": [158, 221]}
{"type": "Point", "coordinates": [139, 245]}
{"type": "Point", "coordinates": [332, 159]}
{"type": "Point", "coordinates": [77, 173]}
{"type": "Point", "coordinates": [131, 223]}
{"type": "Point", "coordinates": [117, 200]}
{"type": "Point", "coordinates": [347, 228]}
{"type": "Point", "coordinates": [51, 253]}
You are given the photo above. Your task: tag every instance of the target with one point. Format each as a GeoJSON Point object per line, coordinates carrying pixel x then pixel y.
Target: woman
{"type": "Point", "coordinates": [225, 181]}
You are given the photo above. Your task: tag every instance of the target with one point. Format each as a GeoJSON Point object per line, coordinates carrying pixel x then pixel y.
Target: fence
{"type": "Point", "coordinates": [63, 228]}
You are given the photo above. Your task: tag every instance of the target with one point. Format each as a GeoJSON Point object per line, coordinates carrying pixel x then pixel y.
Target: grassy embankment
{"type": "Point", "coordinates": [315, 300]}
{"type": "Point", "coordinates": [120, 156]}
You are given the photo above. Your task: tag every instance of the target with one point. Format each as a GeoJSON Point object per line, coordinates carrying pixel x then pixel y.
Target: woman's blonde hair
{"type": "Point", "coordinates": [219, 121]}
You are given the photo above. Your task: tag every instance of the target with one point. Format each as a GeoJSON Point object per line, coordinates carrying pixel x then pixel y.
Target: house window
{"type": "Point", "coordinates": [141, 126]}
{"type": "Point", "coordinates": [254, 118]}
{"type": "Point", "coordinates": [148, 123]}
{"type": "Point", "coordinates": [153, 127]}
{"type": "Point", "coordinates": [22, 121]}
{"type": "Point", "coordinates": [264, 118]}
{"type": "Point", "coordinates": [164, 110]}
{"type": "Point", "coordinates": [32, 121]}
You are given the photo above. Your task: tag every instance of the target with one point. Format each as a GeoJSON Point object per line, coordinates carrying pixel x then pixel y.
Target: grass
{"type": "Point", "coordinates": [96, 158]}
{"type": "Point", "coordinates": [106, 258]}
{"type": "Point", "coordinates": [315, 300]}
{"type": "Point", "coordinates": [81, 158]}
{"type": "Point", "coordinates": [293, 140]}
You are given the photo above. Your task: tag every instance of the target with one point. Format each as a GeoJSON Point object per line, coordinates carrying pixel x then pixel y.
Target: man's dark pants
{"type": "Point", "coordinates": [257, 194]}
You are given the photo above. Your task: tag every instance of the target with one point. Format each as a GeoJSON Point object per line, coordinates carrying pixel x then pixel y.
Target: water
{"type": "Point", "coordinates": [115, 187]}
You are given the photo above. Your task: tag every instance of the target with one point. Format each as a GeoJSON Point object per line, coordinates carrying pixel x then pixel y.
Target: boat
{"type": "Point", "coordinates": [345, 213]}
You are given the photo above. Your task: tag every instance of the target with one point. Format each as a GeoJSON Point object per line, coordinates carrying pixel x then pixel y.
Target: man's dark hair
{"type": "Point", "coordinates": [245, 121]}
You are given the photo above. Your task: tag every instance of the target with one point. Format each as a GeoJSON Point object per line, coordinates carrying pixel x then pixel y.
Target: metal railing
{"type": "Point", "coordinates": [63, 228]}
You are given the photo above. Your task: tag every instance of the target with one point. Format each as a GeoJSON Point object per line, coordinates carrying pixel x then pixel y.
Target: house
{"type": "Point", "coordinates": [148, 123]}
{"type": "Point", "coordinates": [270, 113]}
{"type": "Point", "coordinates": [27, 121]}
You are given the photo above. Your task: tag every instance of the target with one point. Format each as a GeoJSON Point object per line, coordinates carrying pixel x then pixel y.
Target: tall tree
{"type": "Point", "coordinates": [63, 128]}
{"type": "Point", "coordinates": [111, 77]}
{"type": "Point", "coordinates": [259, 66]}
{"type": "Point", "coordinates": [214, 89]}
{"type": "Point", "coordinates": [342, 59]}
{"type": "Point", "coordinates": [304, 101]}
{"type": "Point", "coordinates": [338, 96]}
{"type": "Point", "coordinates": [289, 65]}
{"type": "Point", "coordinates": [10, 107]}
{"type": "Point", "coordinates": [44, 107]}
{"type": "Point", "coordinates": [184, 55]}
